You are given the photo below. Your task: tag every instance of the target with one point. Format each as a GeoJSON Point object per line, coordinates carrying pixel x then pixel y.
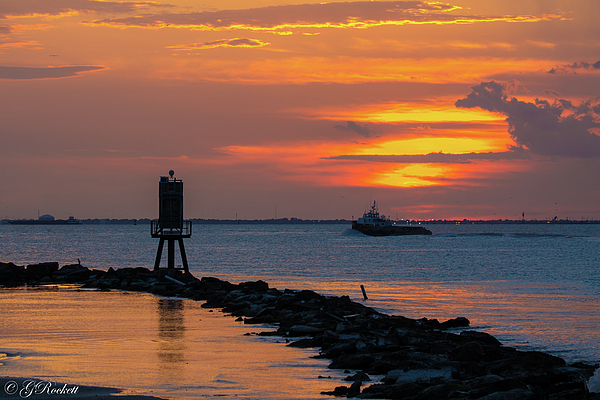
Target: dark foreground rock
{"type": "Point", "coordinates": [418, 359]}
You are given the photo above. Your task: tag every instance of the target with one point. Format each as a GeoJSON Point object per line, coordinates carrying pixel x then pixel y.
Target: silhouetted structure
{"type": "Point", "coordinates": [170, 225]}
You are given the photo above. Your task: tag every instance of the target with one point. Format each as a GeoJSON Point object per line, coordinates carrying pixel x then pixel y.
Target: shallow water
{"type": "Point", "coordinates": [534, 286]}
{"type": "Point", "coordinates": [170, 348]}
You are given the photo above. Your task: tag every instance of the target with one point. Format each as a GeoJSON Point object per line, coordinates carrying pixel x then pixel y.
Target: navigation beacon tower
{"type": "Point", "coordinates": [170, 225]}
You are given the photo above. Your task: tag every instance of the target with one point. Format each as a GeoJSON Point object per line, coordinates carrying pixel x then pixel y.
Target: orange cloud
{"type": "Point", "coordinates": [537, 43]}
{"type": "Point", "coordinates": [303, 162]}
{"type": "Point", "coordinates": [358, 15]}
{"type": "Point", "coordinates": [427, 145]}
{"type": "Point", "coordinates": [44, 16]}
{"type": "Point", "coordinates": [20, 28]}
{"type": "Point", "coordinates": [65, 8]}
{"type": "Point", "coordinates": [446, 155]}
{"type": "Point", "coordinates": [475, 173]}
{"type": "Point", "coordinates": [20, 44]}
{"type": "Point", "coordinates": [398, 162]}
{"type": "Point", "coordinates": [45, 73]}
{"type": "Point", "coordinates": [413, 175]}
{"type": "Point", "coordinates": [237, 42]}
{"type": "Point", "coordinates": [347, 70]}
{"type": "Point", "coordinates": [424, 112]}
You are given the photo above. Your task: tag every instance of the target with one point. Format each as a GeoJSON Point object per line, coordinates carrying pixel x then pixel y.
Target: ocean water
{"type": "Point", "coordinates": [531, 286]}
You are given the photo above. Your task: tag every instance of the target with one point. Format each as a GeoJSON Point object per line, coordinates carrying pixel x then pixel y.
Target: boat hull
{"type": "Point", "coordinates": [393, 230]}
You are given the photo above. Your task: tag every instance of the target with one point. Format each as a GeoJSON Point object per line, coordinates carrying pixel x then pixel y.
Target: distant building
{"type": "Point", "coordinates": [46, 217]}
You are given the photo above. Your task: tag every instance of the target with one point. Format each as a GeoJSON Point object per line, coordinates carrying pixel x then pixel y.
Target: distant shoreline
{"type": "Point", "coordinates": [298, 221]}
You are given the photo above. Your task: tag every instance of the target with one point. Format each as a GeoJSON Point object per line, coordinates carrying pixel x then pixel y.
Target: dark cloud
{"type": "Point", "coordinates": [352, 14]}
{"type": "Point", "coordinates": [44, 73]}
{"type": "Point", "coordinates": [354, 127]}
{"type": "Point", "coordinates": [241, 42]}
{"type": "Point", "coordinates": [552, 129]}
{"type": "Point", "coordinates": [5, 29]}
{"type": "Point", "coordinates": [552, 93]}
{"type": "Point", "coordinates": [14, 8]}
{"type": "Point", "coordinates": [517, 153]}
{"type": "Point", "coordinates": [572, 68]}
{"type": "Point", "coordinates": [237, 42]}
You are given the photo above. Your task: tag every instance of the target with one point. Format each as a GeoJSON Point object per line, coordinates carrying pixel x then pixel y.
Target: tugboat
{"type": "Point", "coordinates": [374, 225]}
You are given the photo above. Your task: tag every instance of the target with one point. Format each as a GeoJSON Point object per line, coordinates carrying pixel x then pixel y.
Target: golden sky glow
{"type": "Point", "coordinates": [426, 145]}
{"type": "Point", "coordinates": [345, 70]}
{"type": "Point", "coordinates": [349, 23]}
{"type": "Point", "coordinates": [310, 157]}
{"type": "Point", "coordinates": [413, 175]}
{"type": "Point", "coordinates": [303, 104]}
{"type": "Point", "coordinates": [405, 112]}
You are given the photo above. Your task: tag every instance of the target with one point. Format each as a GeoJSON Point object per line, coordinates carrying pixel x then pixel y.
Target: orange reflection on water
{"type": "Point", "coordinates": [171, 348]}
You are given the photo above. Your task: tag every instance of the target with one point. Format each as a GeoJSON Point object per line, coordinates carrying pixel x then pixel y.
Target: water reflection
{"type": "Point", "coordinates": [171, 331]}
{"type": "Point", "coordinates": [169, 348]}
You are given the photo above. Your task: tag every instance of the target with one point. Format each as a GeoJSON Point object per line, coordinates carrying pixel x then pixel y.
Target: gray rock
{"type": "Point", "coordinates": [468, 352]}
{"type": "Point", "coordinates": [482, 337]}
{"type": "Point", "coordinates": [514, 394]}
{"type": "Point", "coordinates": [352, 361]}
{"type": "Point", "coordinates": [458, 322]}
{"type": "Point", "coordinates": [302, 330]}
{"type": "Point", "coordinates": [435, 392]}
{"type": "Point", "coordinates": [360, 376]}
{"type": "Point", "coordinates": [354, 389]}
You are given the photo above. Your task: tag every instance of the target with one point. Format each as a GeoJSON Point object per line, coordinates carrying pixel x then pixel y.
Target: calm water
{"type": "Point", "coordinates": [170, 348]}
{"type": "Point", "coordinates": [533, 286]}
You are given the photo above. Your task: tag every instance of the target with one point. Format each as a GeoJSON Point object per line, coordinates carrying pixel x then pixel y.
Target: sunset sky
{"type": "Point", "coordinates": [265, 108]}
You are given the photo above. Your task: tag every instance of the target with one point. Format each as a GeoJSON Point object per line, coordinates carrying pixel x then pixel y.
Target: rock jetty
{"type": "Point", "coordinates": [421, 359]}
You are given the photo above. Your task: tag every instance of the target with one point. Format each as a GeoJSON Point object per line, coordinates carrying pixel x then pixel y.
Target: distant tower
{"type": "Point", "coordinates": [170, 225]}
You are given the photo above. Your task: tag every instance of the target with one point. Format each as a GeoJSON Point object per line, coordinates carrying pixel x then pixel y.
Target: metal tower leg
{"type": "Point", "coordinates": [183, 256]}
{"type": "Point", "coordinates": [159, 254]}
{"type": "Point", "coordinates": [171, 255]}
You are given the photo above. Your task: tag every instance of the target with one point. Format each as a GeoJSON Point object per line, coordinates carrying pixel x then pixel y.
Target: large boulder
{"type": "Point", "coordinates": [482, 337]}
{"type": "Point", "coordinates": [41, 270]}
{"type": "Point", "coordinates": [72, 273]}
{"type": "Point", "coordinates": [258, 286]}
{"type": "Point", "coordinates": [10, 272]}
{"type": "Point", "coordinates": [468, 352]}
